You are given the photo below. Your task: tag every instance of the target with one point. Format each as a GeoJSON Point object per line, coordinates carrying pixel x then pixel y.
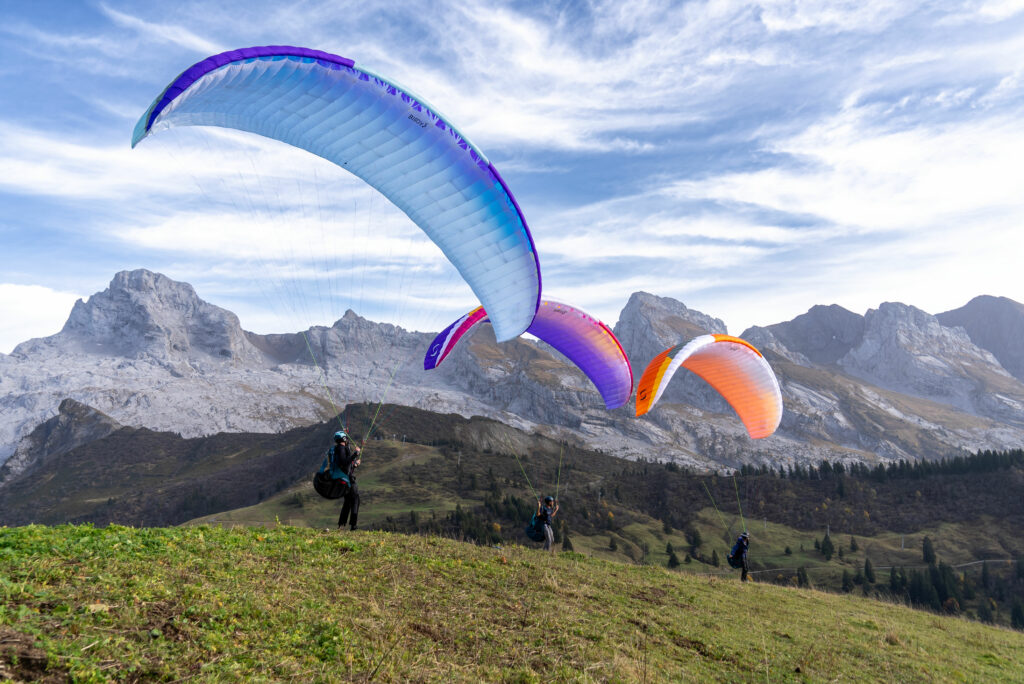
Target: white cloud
{"type": "Point", "coordinates": [584, 248]}
{"type": "Point", "coordinates": [986, 11]}
{"type": "Point", "coordinates": [216, 163]}
{"type": "Point", "coordinates": [546, 86]}
{"type": "Point", "coordinates": [833, 15]}
{"type": "Point", "coordinates": [30, 311]}
{"type": "Point", "coordinates": [870, 179]}
{"type": "Point", "coordinates": [286, 236]}
{"type": "Point", "coordinates": [998, 10]}
{"type": "Point", "coordinates": [163, 33]}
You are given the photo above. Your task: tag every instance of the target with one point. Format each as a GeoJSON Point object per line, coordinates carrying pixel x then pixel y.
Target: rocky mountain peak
{"type": "Point", "coordinates": [995, 324]}
{"type": "Point", "coordinates": [907, 348]}
{"type": "Point", "coordinates": [823, 335]}
{"type": "Point", "coordinates": [145, 314]}
{"type": "Point", "coordinates": [648, 325]}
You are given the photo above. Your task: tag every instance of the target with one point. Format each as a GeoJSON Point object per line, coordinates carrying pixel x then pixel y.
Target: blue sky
{"type": "Point", "coordinates": [748, 159]}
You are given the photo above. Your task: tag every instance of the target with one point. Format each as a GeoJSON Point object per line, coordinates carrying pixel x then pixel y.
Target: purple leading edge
{"type": "Point", "coordinates": [200, 69]}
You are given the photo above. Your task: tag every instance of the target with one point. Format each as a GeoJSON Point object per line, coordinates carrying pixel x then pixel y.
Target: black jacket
{"type": "Point", "coordinates": [344, 459]}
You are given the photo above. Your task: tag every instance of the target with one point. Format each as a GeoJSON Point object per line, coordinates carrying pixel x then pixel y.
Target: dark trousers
{"type": "Point", "coordinates": [743, 575]}
{"type": "Point", "coordinates": [350, 509]}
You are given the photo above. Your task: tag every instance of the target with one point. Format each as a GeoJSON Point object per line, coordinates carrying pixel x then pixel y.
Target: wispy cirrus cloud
{"type": "Point", "coordinates": [832, 16]}
{"type": "Point", "coordinates": [178, 164]}
{"type": "Point", "coordinates": [874, 179]}
{"type": "Point", "coordinates": [163, 33]}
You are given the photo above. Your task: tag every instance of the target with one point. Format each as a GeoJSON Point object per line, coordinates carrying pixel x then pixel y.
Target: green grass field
{"type": "Point", "coordinates": [955, 543]}
{"type": "Point", "coordinates": [210, 603]}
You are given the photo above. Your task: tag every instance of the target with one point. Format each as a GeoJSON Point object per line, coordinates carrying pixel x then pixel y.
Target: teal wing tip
{"type": "Point", "coordinates": [141, 130]}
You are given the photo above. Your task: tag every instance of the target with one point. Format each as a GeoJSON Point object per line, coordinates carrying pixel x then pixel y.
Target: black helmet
{"type": "Point", "coordinates": [745, 535]}
{"type": "Point", "coordinates": [549, 499]}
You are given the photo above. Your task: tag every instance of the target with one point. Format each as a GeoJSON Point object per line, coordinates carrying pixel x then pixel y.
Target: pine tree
{"type": "Point", "coordinates": [869, 572]}
{"type": "Point", "coordinates": [714, 557]}
{"type": "Point", "coordinates": [847, 582]}
{"type": "Point", "coordinates": [612, 546]}
{"type": "Point", "coordinates": [668, 549]}
{"type": "Point", "coordinates": [566, 543]}
{"type": "Point", "coordinates": [789, 551]}
{"type": "Point", "coordinates": [853, 544]}
{"type": "Point", "coordinates": [928, 551]}
{"type": "Point", "coordinates": [827, 549]}
{"type": "Point", "coordinates": [673, 560]}
{"type": "Point", "coordinates": [801, 577]}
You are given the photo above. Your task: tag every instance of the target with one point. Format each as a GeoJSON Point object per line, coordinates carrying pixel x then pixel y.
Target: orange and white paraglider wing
{"type": "Point", "coordinates": [656, 376]}
{"type": "Point", "coordinates": [734, 367]}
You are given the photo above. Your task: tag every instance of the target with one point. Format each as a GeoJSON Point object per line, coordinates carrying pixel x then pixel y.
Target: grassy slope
{"type": "Point", "coordinates": [281, 603]}
{"type": "Point", "coordinates": [299, 505]}
{"type": "Point", "coordinates": [955, 542]}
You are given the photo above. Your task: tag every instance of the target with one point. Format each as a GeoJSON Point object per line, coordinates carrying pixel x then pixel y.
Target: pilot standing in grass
{"type": "Point", "coordinates": [738, 556]}
{"type": "Point", "coordinates": [545, 518]}
{"type": "Point", "coordinates": [347, 458]}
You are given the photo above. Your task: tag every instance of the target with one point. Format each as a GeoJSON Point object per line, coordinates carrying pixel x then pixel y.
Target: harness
{"type": "Point", "coordinates": [331, 482]}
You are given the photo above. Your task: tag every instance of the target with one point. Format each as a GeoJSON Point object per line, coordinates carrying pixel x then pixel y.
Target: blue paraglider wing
{"type": "Point", "coordinates": [387, 136]}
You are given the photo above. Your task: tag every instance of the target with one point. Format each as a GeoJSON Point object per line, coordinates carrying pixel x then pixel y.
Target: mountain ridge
{"type": "Point", "coordinates": [894, 383]}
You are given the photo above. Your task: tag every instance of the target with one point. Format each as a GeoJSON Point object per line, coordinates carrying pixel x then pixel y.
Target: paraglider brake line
{"type": "Point", "coordinates": [380, 403]}
{"type": "Point", "coordinates": [738, 504]}
{"type": "Point", "coordinates": [525, 475]}
{"type": "Point", "coordinates": [722, 517]}
{"type": "Point", "coordinates": [558, 480]}
{"type": "Point", "coordinates": [885, 567]}
{"type": "Point", "coordinates": [515, 455]}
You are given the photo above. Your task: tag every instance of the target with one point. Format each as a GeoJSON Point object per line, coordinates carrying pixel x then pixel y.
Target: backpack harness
{"type": "Point", "coordinates": [331, 482]}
